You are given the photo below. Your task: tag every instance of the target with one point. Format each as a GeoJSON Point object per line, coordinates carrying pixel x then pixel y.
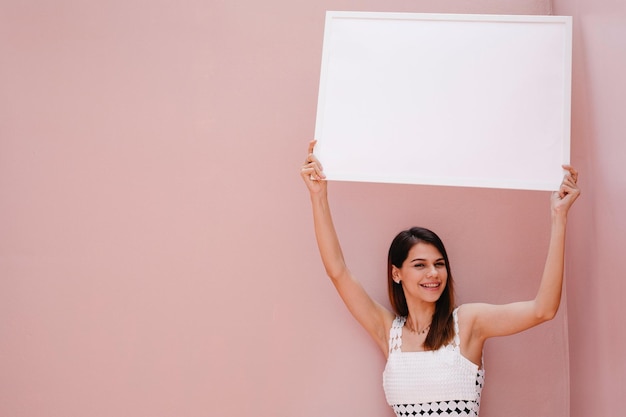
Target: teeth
{"type": "Point", "coordinates": [430, 285]}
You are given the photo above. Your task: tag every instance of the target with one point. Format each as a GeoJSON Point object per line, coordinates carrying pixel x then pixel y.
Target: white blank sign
{"type": "Point", "coordinates": [463, 100]}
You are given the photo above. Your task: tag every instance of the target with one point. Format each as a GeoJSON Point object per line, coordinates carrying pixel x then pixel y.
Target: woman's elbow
{"type": "Point", "coordinates": [545, 309]}
{"type": "Point", "coordinates": [546, 314]}
{"type": "Point", "coordinates": [336, 274]}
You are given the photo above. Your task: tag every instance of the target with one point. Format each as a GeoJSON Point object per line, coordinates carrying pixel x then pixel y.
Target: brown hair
{"type": "Point", "coordinates": [442, 326]}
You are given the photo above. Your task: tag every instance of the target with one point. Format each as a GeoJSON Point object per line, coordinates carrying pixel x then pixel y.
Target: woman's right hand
{"type": "Point", "coordinates": [568, 192]}
{"type": "Point", "coordinates": [312, 172]}
{"type": "Point", "coordinates": [372, 316]}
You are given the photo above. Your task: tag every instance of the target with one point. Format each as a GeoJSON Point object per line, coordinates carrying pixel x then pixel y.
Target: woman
{"type": "Point", "coordinates": [433, 348]}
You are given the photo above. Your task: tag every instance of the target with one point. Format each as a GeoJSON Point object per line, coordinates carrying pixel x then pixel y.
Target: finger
{"type": "Point", "coordinates": [308, 174]}
{"type": "Point", "coordinates": [571, 171]}
{"type": "Point", "coordinates": [319, 172]}
{"type": "Point", "coordinates": [313, 171]}
{"type": "Point", "coordinates": [569, 180]}
{"type": "Point", "coordinates": [568, 188]}
{"type": "Point", "coordinates": [312, 146]}
{"type": "Point", "coordinates": [312, 159]}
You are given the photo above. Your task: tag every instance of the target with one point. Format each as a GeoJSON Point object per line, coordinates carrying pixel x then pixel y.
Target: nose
{"type": "Point", "coordinates": [432, 272]}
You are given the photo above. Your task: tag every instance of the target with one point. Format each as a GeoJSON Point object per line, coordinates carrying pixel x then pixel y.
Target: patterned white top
{"type": "Point", "coordinates": [440, 383]}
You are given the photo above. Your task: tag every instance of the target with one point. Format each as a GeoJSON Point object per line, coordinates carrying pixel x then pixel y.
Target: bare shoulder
{"type": "Point", "coordinates": [469, 317]}
{"type": "Point", "coordinates": [468, 312]}
{"type": "Point", "coordinates": [483, 320]}
{"type": "Point", "coordinates": [382, 339]}
{"type": "Point", "coordinates": [469, 334]}
{"type": "Point", "coordinates": [472, 311]}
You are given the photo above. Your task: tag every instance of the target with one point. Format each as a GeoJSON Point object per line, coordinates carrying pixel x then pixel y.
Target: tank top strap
{"type": "Point", "coordinates": [395, 334]}
{"type": "Point", "coordinates": [457, 339]}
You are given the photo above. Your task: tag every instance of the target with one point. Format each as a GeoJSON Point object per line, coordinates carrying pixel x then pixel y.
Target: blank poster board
{"type": "Point", "coordinates": [440, 99]}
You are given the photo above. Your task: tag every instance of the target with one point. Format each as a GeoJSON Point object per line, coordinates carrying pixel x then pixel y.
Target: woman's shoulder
{"type": "Point", "coordinates": [470, 315]}
{"type": "Point", "coordinates": [470, 309]}
{"type": "Point", "coordinates": [467, 313]}
{"type": "Point", "coordinates": [384, 329]}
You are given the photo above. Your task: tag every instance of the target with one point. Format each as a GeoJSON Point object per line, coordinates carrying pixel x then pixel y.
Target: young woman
{"type": "Point", "coordinates": [433, 348]}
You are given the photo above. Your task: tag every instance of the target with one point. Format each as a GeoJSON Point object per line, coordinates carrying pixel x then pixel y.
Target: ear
{"type": "Point", "coordinates": [395, 274]}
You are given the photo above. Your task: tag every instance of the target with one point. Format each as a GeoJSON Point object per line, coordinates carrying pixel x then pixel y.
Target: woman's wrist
{"type": "Point", "coordinates": [320, 197]}
{"type": "Point", "coordinates": [559, 219]}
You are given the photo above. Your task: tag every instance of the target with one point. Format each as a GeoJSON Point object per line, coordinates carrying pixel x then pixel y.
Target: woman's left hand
{"type": "Point", "coordinates": [312, 172]}
{"type": "Point", "coordinates": [568, 192]}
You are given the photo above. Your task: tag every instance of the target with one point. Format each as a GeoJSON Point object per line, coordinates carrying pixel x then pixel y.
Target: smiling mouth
{"type": "Point", "coordinates": [431, 286]}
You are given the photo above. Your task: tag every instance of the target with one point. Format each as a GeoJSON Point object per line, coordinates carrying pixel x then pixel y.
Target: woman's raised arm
{"type": "Point", "coordinates": [501, 320]}
{"type": "Point", "coordinates": [371, 315]}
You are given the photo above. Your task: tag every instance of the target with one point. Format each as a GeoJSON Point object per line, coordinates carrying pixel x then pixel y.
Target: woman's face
{"type": "Point", "coordinates": [423, 273]}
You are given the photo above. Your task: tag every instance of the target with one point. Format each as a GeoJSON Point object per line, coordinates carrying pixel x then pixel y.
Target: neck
{"type": "Point", "coordinates": [420, 316]}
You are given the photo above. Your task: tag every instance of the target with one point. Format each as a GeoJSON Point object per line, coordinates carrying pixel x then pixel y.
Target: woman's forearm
{"type": "Point", "coordinates": [548, 297]}
{"type": "Point", "coordinates": [327, 240]}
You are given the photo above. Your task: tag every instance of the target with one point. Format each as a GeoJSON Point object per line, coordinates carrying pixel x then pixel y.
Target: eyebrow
{"type": "Point", "coordinates": [423, 259]}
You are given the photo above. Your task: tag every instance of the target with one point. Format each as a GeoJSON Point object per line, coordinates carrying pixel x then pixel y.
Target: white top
{"type": "Point", "coordinates": [442, 380]}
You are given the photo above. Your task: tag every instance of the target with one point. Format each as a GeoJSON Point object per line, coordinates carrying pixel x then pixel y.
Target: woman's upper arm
{"type": "Point", "coordinates": [375, 318]}
{"type": "Point", "coordinates": [493, 320]}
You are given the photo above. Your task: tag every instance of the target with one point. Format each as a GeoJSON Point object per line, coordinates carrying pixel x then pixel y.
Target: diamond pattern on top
{"type": "Point", "coordinates": [395, 335]}
{"type": "Point", "coordinates": [438, 409]}
{"type": "Point", "coordinates": [411, 377]}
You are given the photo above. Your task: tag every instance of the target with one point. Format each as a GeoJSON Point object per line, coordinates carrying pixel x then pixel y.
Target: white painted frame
{"type": "Point", "coordinates": [445, 99]}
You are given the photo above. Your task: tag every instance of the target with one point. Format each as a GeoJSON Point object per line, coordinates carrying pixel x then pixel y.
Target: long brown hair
{"type": "Point", "coordinates": [442, 326]}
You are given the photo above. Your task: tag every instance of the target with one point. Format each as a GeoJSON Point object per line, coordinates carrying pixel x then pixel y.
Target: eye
{"type": "Point", "coordinates": [440, 264]}
{"type": "Point", "coordinates": [419, 265]}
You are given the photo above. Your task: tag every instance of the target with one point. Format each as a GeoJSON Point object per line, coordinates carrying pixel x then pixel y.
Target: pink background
{"type": "Point", "coordinates": [156, 247]}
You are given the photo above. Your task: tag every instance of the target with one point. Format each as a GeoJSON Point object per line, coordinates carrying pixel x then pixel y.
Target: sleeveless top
{"type": "Point", "coordinates": [439, 383]}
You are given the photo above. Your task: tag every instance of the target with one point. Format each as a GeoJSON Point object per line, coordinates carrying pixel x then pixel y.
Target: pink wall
{"type": "Point", "coordinates": [598, 234]}
{"type": "Point", "coordinates": [157, 255]}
